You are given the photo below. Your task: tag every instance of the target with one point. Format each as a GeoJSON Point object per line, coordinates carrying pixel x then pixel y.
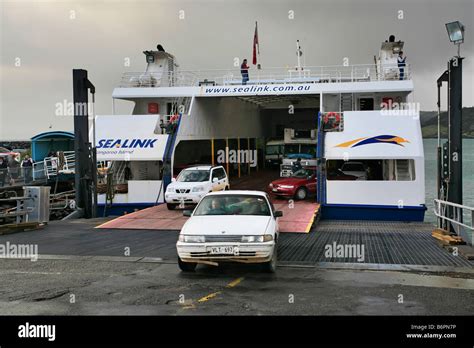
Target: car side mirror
{"type": "Point", "coordinates": [215, 179]}
{"type": "Point", "coordinates": [173, 179]}
{"type": "Point", "coordinates": [278, 213]}
{"type": "Point", "coordinates": [187, 213]}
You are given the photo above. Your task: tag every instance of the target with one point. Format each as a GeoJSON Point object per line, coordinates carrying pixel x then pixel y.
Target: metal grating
{"type": "Point", "coordinates": [384, 243]}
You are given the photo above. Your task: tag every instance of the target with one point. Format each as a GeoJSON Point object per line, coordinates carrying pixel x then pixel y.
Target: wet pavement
{"type": "Point", "coordinates": [80, 286]}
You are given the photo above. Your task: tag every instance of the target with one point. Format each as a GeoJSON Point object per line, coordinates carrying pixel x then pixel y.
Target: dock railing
{"type": "Point", "coordinates": [461, 220]}
{"type": "Point", "coordinates": [19, 212]}
{"type": "Point", "coordinates": [282, 75]}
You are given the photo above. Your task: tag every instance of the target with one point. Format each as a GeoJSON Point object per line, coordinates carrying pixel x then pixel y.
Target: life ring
{"type": "Point", "coordinates": [332, 114]}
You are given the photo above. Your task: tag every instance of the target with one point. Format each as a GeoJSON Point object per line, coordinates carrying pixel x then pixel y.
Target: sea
{"type": "Point", "coordinates": [430, 146]}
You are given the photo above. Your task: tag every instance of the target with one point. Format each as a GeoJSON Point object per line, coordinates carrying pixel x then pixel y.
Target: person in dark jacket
{"type": "Point", "coordinates": [27, 165]}
{"type": "Point", "coordinates": [3, 171]}
{"type": "Point", "coordinates": [296, 165]}
{"type": "Point", "coordinates": [244, 70]}
{"type": "Point", "coordinates": [14, 169]}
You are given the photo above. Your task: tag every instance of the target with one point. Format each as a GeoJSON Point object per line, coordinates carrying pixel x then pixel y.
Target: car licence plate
{"type": "Point", "coordinates": [227, 250]}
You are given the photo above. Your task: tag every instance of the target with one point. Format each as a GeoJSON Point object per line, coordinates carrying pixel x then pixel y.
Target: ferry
{"type": "Point", "coordinates": [363, 117]}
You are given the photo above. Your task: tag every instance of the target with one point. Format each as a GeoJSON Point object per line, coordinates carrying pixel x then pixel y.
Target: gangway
{"type": "Point", "coordinates": [63, 163]}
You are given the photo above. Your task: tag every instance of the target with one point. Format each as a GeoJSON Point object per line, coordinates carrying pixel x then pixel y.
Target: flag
{"type": "Point", "coordinates": [256, 49]}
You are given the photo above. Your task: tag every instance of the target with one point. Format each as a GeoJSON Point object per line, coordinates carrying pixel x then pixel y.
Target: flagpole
{"type": "Point", "coordinates": [258, 48]}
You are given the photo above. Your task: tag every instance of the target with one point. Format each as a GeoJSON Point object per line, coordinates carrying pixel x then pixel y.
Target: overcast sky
{"type": "Point", "coordinates": [52, 37]}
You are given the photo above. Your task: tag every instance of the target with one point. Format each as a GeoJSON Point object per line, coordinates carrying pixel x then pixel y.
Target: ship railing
{"type": "Point", "coordinates": [459, 217]}
{"type": "Point", "coordinates": [282, 75]}
{"type": "Point", "coordinates": [157, 79]}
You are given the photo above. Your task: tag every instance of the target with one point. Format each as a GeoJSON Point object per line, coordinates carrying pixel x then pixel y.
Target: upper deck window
{"type": "Point", "coordinates": [371, 170]}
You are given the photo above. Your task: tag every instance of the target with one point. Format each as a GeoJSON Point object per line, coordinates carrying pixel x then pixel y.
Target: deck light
{"type": "Point", "coordinates": [456, 33]}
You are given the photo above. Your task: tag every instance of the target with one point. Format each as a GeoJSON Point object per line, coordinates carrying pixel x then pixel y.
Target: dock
{"type": "Point", "coordinates": [388, 245]}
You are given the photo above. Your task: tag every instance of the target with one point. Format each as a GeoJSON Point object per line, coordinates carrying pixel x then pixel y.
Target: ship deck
{"type": "Point", "coordinates": [298, 216]}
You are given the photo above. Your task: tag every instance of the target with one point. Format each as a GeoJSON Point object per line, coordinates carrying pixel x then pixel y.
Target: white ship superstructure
{"type": "Point", "coordinates": [363, 114]}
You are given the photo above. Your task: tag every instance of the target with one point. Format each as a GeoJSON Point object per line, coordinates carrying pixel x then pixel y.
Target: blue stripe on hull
{"type": "Point", "coordinates": [372, 212]}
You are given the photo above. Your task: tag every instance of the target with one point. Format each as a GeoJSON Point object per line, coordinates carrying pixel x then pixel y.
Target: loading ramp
{"type": "Point", "coordinates": [298, 216]}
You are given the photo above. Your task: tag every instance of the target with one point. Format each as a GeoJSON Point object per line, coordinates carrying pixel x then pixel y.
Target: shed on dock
{"type": "Point", "coordinates": [47, 142]}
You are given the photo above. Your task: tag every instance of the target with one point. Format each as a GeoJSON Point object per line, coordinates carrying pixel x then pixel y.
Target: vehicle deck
{"type": "Point", "coordinates": [385, 243]}
{"type": "Point", "coordinates": [298, 216]}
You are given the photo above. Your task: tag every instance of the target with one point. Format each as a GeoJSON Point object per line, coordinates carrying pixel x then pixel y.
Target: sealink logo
{"type": "Point", "coordinates": [379, 139]}
{"type": "Point", "coordinates": [126, 143]}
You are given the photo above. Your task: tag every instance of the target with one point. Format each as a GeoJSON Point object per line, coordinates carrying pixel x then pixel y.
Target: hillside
{"type": "Point", "coordinates": [429, 123]}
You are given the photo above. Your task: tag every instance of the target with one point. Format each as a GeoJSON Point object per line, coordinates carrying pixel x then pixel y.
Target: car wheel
{"type": "Point", "coordinates": [270, 266]}
{"type": "Point", "coordinates": [186, 266]}
{"type": "Point", "coordinates": [301, 193]}
{"type": "Point", "coordinates": [170, 206]}
{"type": "Point", "coordinates": [227, 188]}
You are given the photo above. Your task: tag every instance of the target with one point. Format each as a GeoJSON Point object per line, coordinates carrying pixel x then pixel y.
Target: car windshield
{"type": "Point", "coordinates": [233, 205]}
{"type": "Point", "coordinates": [193, 175]}
{"type": "Point", "coordinates": [302, 173]}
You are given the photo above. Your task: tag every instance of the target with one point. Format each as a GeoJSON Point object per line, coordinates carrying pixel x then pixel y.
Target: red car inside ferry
{"type": "Point", "coordinates": [300, 185]}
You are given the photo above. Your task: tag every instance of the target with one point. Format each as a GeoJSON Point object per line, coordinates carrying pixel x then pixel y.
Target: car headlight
{"type": "Point", "coordinates": [198, 189]}
{"type": "Point", "coordinates": [287, 186]}
{"type": "Point", "coordinates": [169, 188]}
{"type": "Point", "coordinates": [257, 239]}
{"type": "Point", "coordinates": [191, 239]}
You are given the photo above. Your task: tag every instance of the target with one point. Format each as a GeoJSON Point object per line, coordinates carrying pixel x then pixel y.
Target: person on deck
{"type": "Point", "coordinates": [401, 64]}
{"type": "Point", "coordinates": [244, 70]}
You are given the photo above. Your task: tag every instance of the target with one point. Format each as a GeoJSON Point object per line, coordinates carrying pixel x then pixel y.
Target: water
{"type": "Point", "coordinates": [430, 146]}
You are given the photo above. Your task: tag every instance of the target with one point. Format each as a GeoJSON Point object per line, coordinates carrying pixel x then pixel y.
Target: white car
{"type": "Point", "coordinates": [237, 226]}
{"type": "Point", "coordinates": [194, 183]}
{"type": "Point", "coordinates": [356, 169]}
